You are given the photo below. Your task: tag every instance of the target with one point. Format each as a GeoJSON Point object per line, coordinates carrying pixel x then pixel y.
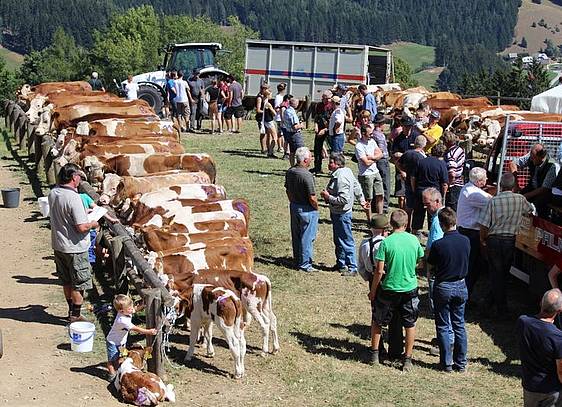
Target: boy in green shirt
{"type": "Point", "coordinates": [398, 292]}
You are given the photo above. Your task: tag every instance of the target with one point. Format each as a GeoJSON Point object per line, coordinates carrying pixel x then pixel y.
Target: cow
{"type": "Point", "coordinates": [71, 115]}
{"type": "Point", "coordinates": [159, 239]}
{"type": "Point", "coordinates": [124, 127]}
{"type": "Point", "coordinates": [143, 164]}
{"type": "Point", "coordinates": [138, 387]}
{"type": "Point", "coordinates": [116, 189]}
{"type": "Point", "coordinates": [207, 304]}
{"type": "Point", "coordinates": [143, 213]}
{"type": "Point", "coordinates": [185, 221]}
{"type": "Point", "coordinates": [437, 104]}
{"type": "Point", "coordinates": [28, 92]}
{"type": "Point", "coordinates": [253, 289]}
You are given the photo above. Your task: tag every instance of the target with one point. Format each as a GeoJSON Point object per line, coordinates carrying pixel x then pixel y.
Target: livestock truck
{"type": "Point", "coordinates": [539, 242]}
{"type": "Point", "coordinates": [309, 68]}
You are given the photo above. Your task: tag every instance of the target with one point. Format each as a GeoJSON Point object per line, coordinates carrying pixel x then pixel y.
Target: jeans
{"type": "Point", "coordinates": [343, 240]}
{"type": "Point", "coordinates": [384, 169]}
{"type": "Point", "coordinates": [500, 257]}
{"type": "Point", "coordinates": [318, 144]}
{"type": "Point", "coordinates": [453, 197]}
{"type": "Point", "coordinates": [304, 225]}
{"type": "Point", "coordinates": [196, 118]}
{"type": "Point", "coordinates": [475, 264]}
{"type": "Point", "coordinates": [449, 300]}
{"type": "Point", "coordinates": [336, 142]}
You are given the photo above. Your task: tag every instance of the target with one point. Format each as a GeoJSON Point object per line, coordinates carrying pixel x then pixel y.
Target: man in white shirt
{"type": "Point", "coordinates": [131, 88]}
{"type": "Point", "coordinates": [336, 127]}
{"type": "Point", "coordinates": [472, 201]}
{"type": "Point", "coordinates": [183, 102]}
{"type": "Point", "coordinates": [368, 153]}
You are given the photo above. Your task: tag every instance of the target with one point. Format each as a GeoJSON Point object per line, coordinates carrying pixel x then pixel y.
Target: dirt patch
{"type": "Point", "coordinates": [37, 367]}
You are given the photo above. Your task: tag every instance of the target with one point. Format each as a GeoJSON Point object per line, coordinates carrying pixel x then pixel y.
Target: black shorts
{"type": "Point", "coordinates": [182, 110]}
{"type": "Point", "coordinates": [388, 302]}
{"type": "Point", "coordinates": [237, 112]}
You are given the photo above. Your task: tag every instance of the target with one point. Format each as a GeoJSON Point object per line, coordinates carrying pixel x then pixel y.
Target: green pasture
{"type": "Point", "coordinates": [12, 59]}
{"type": "Point", "coordinates": [324, 318]}
{"type": "Point", "coordinates": [427, 78]}
{"type": "Point", "coordinates": [415, 55]}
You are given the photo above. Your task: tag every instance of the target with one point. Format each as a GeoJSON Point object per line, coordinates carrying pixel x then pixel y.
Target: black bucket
{"type": "Point", "coordinates": [11, 197]}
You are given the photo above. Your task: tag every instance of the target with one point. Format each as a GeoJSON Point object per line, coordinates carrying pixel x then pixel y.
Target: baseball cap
{"type": "Point", "coordinates": [336, 99]}
{"type": "Point", "coordinates": [408, 121]}
{"type": "Point", "coordinates": [435, 114]}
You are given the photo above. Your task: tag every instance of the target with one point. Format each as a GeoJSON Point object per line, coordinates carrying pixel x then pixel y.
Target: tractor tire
{"type": "Point", "coordinates": [153, 97]}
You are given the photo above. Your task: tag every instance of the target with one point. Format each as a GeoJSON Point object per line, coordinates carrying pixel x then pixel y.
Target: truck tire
{"type": "Point", "coordinates": [153, 97]}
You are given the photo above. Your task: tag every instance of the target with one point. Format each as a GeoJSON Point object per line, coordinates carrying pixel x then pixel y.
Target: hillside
{"type": "Point", "coordinates": [418, 57]}
{"type": "Point", "coordinates": [530, 13]}
{"type": "Point", "coordinates": [13, 60]}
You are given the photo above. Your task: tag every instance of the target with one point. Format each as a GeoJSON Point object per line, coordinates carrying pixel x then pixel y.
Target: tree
{"type": "Point", "coordinates": [523, 43]}
{"type": "Point", "coordinates": [129, 45]}
{"type": "Point", "coordinates": [403, 74]}
{"type": "Point", "coordinates": [8, 81]}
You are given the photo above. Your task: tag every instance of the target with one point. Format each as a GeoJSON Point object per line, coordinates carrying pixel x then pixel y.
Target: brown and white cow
{"type": "Point", "coordinates": [139, 165]}
{"type": "Point", "coordinates": [127, 127]}
{"type": "Point", "coordinates": [143, 214]}
{"type": "Point", "coordinates": [159, 239]}
{"type": "Point", "coordinates": [28, 92]}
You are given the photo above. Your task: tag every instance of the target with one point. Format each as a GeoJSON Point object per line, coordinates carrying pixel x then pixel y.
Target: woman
{"type": "Point", "coordinates": [269, 124]}
{"type": "Point", "coordinates": [277, 105]}
{"type": "Point", "coordinates": [363, 119]}
{"type": "Point", "coordinates": [224, 102]}
{"type": "Point", "coordinates": [260, 104]}
{"type": "Point", "coordinates": [212, 94]}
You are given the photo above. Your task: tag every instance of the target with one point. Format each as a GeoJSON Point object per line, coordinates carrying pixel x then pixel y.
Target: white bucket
{"type": "Point", "coordinates": [44, 206]}
{"type": "Point", "coordinates": [81, 336]}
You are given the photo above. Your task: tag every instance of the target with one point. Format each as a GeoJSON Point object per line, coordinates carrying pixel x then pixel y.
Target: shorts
{"type": "Point", "coordinates": [74, 270]}
{"type": "Point", "coordinates": [213, 108]}
{"type": "Point", "coordinates": [388, 302]}
{"type": "Point", "coordinates": [270, 125]}
{"type": "Point", "coordinates": [182, 109]}
{"type": "Point", "coordinates": [237, 111]}
{"type": "Point", "coordinates": [295, 140]}
{"type": "Point", "coordinates": [399, 185]}
{"type": "Point", "coordinates": [173, 108]}
{"type": "Point", "coordinates": [112, 351]}
{"type": "Point", "coordinates": [371, 185]}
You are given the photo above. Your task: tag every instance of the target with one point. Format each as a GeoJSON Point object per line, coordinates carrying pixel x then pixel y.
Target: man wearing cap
{"type": "Point", "coordinates": [402, 143]}
{"type": "Point", "coordinates": [321, 120]}
{"type": "Point", "coordinates": [96, 83]}
{"type": "Point", "coordinates": [382, 164]}
{"type": "Point", "coordinates": [70, 238]}
{"type": "Point", "coordinates": [434, 131]}
{"type": "Point", "coordinates": [196, 87]}
{"type": "Point", "coordinates": [336, 126]}
{"type": "Point", "coordinates": [369, 102]}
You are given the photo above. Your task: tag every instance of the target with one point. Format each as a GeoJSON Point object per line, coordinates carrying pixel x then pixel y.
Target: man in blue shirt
{"type": "Point", "coordinates": [540, 349]}
{"type": "Point", "coordinates": [449, 256]}
{"type": "Point", "coordinates": [293, 126]}
{"type": "Point", "coordinates": [369, 102]}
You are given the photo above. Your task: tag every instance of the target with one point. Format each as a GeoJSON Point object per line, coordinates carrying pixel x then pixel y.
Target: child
{"type": "Point", "coordinates": [120, 330]}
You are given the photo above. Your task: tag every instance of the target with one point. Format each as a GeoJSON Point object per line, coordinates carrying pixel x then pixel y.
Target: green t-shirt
{"type": "Point", "coordinates": [87, 201]}
{"type": "Point", "coordinates": [400, 252]}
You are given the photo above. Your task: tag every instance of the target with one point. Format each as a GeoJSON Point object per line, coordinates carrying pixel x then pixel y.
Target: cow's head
{"type": "Point", "coordinates": [44, 122]}
{"type": "Point", "coordinates": [110, 187]}
{"type": "Point", "coordinates": [93, 168]}
{"type": "Point", "coordinates": [138, 355]}
{"type": "Point", "coordinates": [70, 154]}
{"type": "Point", "coordinates": [35, 106]}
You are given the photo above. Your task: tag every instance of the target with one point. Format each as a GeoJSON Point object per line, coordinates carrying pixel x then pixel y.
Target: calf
{"type": "Point", "coordinates": [140, 388]}
{"type": "Point", "coordinates": [206, 304]}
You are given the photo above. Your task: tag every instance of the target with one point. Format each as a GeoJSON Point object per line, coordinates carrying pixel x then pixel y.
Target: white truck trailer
{"type": "Point", "coordinates": [310, 68]}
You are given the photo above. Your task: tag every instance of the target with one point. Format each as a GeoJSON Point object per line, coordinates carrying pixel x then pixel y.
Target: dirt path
{"type": "Point", "coordinates": [37, 367]}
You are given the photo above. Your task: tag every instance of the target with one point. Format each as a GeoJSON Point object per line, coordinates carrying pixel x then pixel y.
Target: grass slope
{"type": "Point", "coordinates": [417, 56]}
{"type": "Point", "coordinates": [530, 12]}
{"type": "Point", "coordinates": [13, 60]}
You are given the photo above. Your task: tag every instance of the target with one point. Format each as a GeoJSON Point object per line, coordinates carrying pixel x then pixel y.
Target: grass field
{"type": "Point", "coordinates": [13, 60]}
{"type": "Point", "coordinates": [324, 318]}
{"type": "Point", "coordinates": [417, 56]}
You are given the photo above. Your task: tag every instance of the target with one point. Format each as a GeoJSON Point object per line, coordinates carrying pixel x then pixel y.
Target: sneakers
{"type": "Point", "coordinates": [339, 269]}
{"type": "Point", "coordinates": [348, 273]}
{"type": "Point", "coordinates": [408, 365]}
{"type": "Point", "coordinates": [310, 270]}
{"type": "Point", "coordinates": [374, 360]}
{"type": "Point", "coordinates": [285, 156]}
{"type": "Point", "coordinates": [434, 351]}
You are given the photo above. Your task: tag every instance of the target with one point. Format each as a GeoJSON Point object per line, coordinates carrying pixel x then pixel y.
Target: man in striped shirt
{"type": "Point", "coordinates": [499, 223]}
{"type": "Point", "coordinates": [454, 158]}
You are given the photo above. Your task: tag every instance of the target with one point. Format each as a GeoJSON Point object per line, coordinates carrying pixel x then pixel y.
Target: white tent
{"type": "Point", "coordinates": [549, 101]}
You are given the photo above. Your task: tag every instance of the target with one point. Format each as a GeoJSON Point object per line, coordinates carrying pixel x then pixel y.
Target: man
{"type": "Point", "coordinates": [434, 131]}
{"type": "Point", "coordinates": [406, 166]}
{"type": "Point", "coordinates": [367, 154]}
{"type": "Point", "coordinates": [472, 202]}
{"type": "Point", "coordinates": [278, 119]}
{"type": "Point", "coordinates": [321, 119]}
{"type": "Point", "coordinates": [70, 239]}
{"type": "Point", "coordinates": [293, 127]}
{"type": "Point", "coordinates": [336, 126]}
{"type": "Point", "coordinates": [183, 101]}
{"type": "Point", "coordinates": [398, 291]}
{"type": "Point", "coordinates": [131, 88]}
{"type": "Point", "coordinates": [430, 172]}
{"type": "Point", "coordinates": [454, 159]}
{"type": "Point", "coordinates": [402, 143]}
{"type": "Point", "coordinates": [96, 83]}
{"type": "Point", "coordinates": [383, 163]}
{"type": "Point", "coordinates": [499, 223]}
{"type": "Point", "coordinates": [340, 194]}
{"type": "Point", "coordinates": [197, 90]}
{"type": "Point", "coordinates": [369, 102]}
{"type": "Point", "coordinates": [235, 108]}
{"type": "Point", "coordinates": [540, 348]}
{"type": "Point", "coordinates": [299, 185]}
{"type": "Point", "coordinates": [449, 258]}
{"type": "Point", "coordinates": [542, 176]}
{"type": "Point", "coordinates": [433, 203]}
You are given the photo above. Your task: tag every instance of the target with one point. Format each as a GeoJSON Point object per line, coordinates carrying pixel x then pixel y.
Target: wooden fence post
{"type": "Point", "coordinates": [48, 160]}
{"type": "Point", "coordinates": [154, 320]}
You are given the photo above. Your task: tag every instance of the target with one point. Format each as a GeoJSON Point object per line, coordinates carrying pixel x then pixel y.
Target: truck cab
{"type": "Point", "coordinates": [185, 57]}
